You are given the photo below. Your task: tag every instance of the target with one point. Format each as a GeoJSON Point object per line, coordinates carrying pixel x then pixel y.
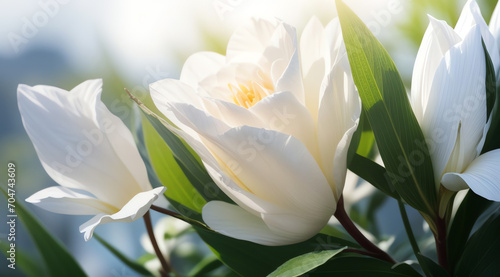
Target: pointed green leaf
{"type": "Point", "coordinates": [373, 173]}
{"type": "Point", "coordinates": [165, 165]}
{"type": "Point", "coordinates": [347, 264]}
{"type": "Point", "coordinates": [304, 263]}
{"type": "Point", "coordinates": [493, 106]}
{"type": "Point", "coordinates": [467, 214]}
{"type": "Point", "coordinates": [251, 259]}
{"type": "Point", "coordinates": [397, 133]}
{"type": "Point", "coordinates": [58, 260]}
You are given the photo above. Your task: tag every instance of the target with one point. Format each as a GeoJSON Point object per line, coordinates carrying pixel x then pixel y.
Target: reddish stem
{"type": "Point", "coordinates": [351, 228]}
{"type": "Point", "coordinates": [149, 227]}
{"type": "Point", "coordinates": [440, 238]}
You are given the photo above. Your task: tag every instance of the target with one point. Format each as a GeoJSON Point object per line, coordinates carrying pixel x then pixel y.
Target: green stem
{"type": "Point", "coordinates": [351, 228]}
{"type": "Point", "coordinates": [411, 236]}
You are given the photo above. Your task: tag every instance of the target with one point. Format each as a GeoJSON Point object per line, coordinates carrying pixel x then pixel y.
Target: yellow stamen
{"type": "Point", "coordinates": [248, 95]}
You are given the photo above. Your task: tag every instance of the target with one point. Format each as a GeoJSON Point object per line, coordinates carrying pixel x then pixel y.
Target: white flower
{"type": "Point", "coordinates": [272, 125]}
{"type": "Point", "coordinates": [89, 152]}
{"type": "Point", "coordinates": [449, 100]}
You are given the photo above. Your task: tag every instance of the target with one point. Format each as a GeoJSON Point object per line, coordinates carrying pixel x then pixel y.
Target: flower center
{"type": "Point", "coordinates": [247, 95]}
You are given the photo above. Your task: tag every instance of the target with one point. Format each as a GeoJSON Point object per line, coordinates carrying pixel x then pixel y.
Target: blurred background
{"type": "Point", "coordinates": [133, 43]}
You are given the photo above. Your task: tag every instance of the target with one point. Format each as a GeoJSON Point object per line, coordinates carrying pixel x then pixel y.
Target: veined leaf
{"type": "Point", "coordinates": [397, 133]}
{"type": "Point", "coordinates": [347, 264]}
{"type": "Point", "coordinates": [251, 259]}
{"type": "Point", "coordinates": [304, 263]}
{"type": "Point", "coordinates": [58, 260]}
{"type": "Point", "coordinates": [179, 188]}
{"type": "Point", "coordinates": [373, 173]}
{"type": "Point", "coordinates": [366, 145]}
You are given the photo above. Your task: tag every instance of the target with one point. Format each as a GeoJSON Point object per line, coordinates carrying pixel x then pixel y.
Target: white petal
{"type": "Point", "coordinates": [312, 54]}
{"type": "Point", "coordinates": [251, 39]}
{"type": "Point", "coordinates": [471, 16]}
{"type": "Point", "coordinates": [167, 92]}
{"type": "Point", "coordinates": [438, 39]}
{"type": "Point", "coordinates": [245, 199]}
{"type": "Point", "coordinates": [284, 113]}
{"type": "Point", "coordinates": [122, 142]}
{"type": "Point", "coordinates": [232, 114]}
{"type": "Point", "coordinates": [312, 83]}
{"type": "Point", "coordinates": [63, 200]}
{"type": "Point", "coordinates": [340, 159]}
{"type": "Point", "coordinates": [290, 78]}
{"type": "Point", "coordinates": [273, 45]}
{"type": "Point", "coordinates": [312, 44]}
{"type": "Point", "coordinates": [201, 65]}
{"type": "Point", "coordinates": [73, 134]}
{"type": "Point", "coordinates": [335, 42]}
{"type": "Point", "coordinates": [197, 120]}
{"type": "Point", "coordinates": [339, 111]}
{"type": "Point", "coordinates": [481, 176]}
{"type": "Point", "coordinates": [170, 90]}
{"type": "Point", "coordinates": [457, 97]}
{"type": "Point", "coordinates": [182, 93]}
{"type": "Point", "coordinates": [235, 222]}
{"type": "Point", "coordinates": [132, 210]}
{"type": "Point", "coordinates": [283, 55]}
{"type": "Point", "coordinates": [276, 166]}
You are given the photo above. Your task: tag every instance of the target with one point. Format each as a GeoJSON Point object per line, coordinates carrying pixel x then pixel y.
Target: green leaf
{"type": "Point", "coordinates": [185, 157]}
{"type": "Point", "coordinates": [128, 262]}
{"type": "Point", "coordinates": [165, 165]}
{"type": "Point", "coordinates": [58, 260]}
{"type": "Point", "coordinates": [493, 106]}
{"type": "Point", "coordinates": [373, 173]}
{"type": "Point", "coordinates": [25, 262]}
{"type": "Point", "coordinates": [334, 232]}
{"type": "Point", "coordinates": [304, 263]}
{"type": "Point", "coordinates": [482, 251]}
{"type": "Point", "coordinates": [142, 260]}
{"type": "Point", "coordinates": [431, 268]}
{"type": "Point", "coordinates": [367, 142]}
{"type": "Point", "coordinates": [399, 138]}
{"type": "Point", "coordinates": [207, 265]}
{"type": "Point", "coordinates": [490, 82]}
{"type": "Point", "coordinates": [188, 162]}
{"type": "Point", "coordinates": [359, 266]}
{"type": "Point", "coordinates": [467, 214]}
{"type": "Point", "coordinates": [251, 259]}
